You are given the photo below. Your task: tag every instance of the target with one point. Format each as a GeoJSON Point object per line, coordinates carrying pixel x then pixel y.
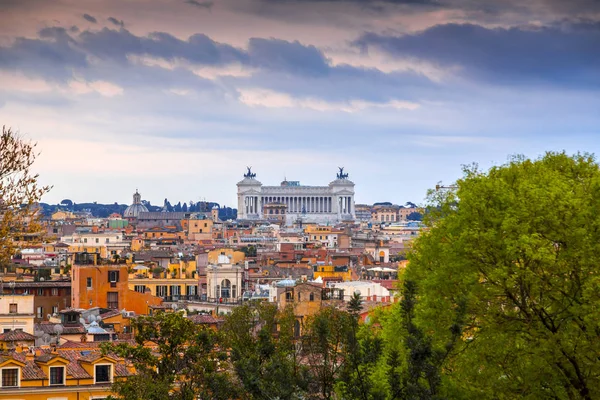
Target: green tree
{"type": "Point", "coordinates": [19, 192]}
{"type": "Point", "coordinates": [362, 352]}
{"type": "Point", "coordinates": [264, 352]}
{"type": "Point", "coordinates": [173, 359]}
{"type": "Point", "coordinates": [414, 216]}
{"type": "Point", "coordinates": [249, 251]}
{"type": "Point", "coordinates": [323, 344]}
{"type": "Point", "coordinates": [520, 245]}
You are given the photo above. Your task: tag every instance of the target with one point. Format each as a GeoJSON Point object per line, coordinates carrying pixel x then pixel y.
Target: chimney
{"type": "Point", "coordinates": [30, 355]}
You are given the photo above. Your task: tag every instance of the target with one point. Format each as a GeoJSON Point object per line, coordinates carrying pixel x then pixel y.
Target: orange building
{"type": "Point", "coordinates": [83, 373]}
{"type": "Point", "coordinates": [107, 286]}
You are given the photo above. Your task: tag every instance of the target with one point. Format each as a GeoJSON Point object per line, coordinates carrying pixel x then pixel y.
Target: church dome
{"type": "Point", "coordinates": [134, 210]}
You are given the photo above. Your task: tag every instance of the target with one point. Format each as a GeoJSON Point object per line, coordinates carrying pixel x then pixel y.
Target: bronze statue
{"type": "Point", "coordinates": [341, 174]}
{"type": "Point", "coordinates": [249, 174]}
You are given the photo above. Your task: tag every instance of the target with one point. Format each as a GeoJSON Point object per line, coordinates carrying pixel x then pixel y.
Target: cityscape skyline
{"type": "Point", "coordinates": [176, 98]}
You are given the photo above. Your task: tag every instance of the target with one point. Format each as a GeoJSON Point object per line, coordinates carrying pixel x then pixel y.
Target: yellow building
{"type": "Point", "coordinates": [306, 299]}
{"type": "Point", "coordinates": [235, 256]}
{"type": "Point", "coordinates": [17, 312]}
{"type": "Point", "coordinates": [198, 229]}
{"type": "Point", "coordinates": [332, 273]}
{"type": "Point", "coordinates": [63, 215]}
{"type": "Point", "coordinates": [326, 235]}
{"type": "Point", "coordinates": [65, 374]}
{"type": "Point", "coordinates": [178, 282]}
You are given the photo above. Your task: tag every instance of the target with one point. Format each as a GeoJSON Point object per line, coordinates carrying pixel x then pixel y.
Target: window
{"type": "Point", "coordinates": [54, 291]}
{"type": "Point", "coordinates": [106, 240]}
{"type": "Point", "coordinates": [97, 240]}
{"type": "Point", "coordinates": [71, 318]}
{"type": "Point", "coordinates": [10, 377]}
{"type": "Point", "coordinates": [88, 283]}
{"type": "Point", "coordinates": [57, 375]}
{"type": "Point", "coordinates": [311, 297]}
{"type": "Point", "coordinates": [103, 373]}
{"type": "Point", "coordinates": [40, 292]}
{"type": "Point", "coordinates": [85, 240]}
{"type": "Point", "coordinates": [113, 276]}
{"type": "Point", "coordinates": [54, 309]}
{"type": "Point", "coordinates": [112, 300]}
{"type": "Point", "coordinates": [40, 312]}
{"type": "Point", "coordinates": [175, 290]}
{"type": "Point", "coordinates": [140, 288]}
{"type": "Point", "coordinates": [161, 291]}
{"type": "Point", "coordinates": [12, 308]}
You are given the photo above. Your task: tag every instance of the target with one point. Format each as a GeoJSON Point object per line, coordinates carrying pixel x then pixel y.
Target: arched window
{"type": "Point", "coordinates": [299, 296]}
{"type": "Point", "coordinates": [225, 288]}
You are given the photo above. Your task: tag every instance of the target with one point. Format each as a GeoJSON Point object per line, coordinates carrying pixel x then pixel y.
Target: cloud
{"type": "Point", "coordinates": [271, 99]}
{"type": "Point", "coordinates": [106, 89]}
{"type": "Point", "coordinates": [52, 57]}
{"type": "Point", "coordinates": [198, 48]}
{"type": "Point", "coordinates": [200, 4]}
{"type": "Point", "coordinates": [89, 18]}
{"type": "Point", "coordinates": [116, 22]}
{"type": "Point", "coordinates": [565, 54]}
{"type": "Point", "coordinates": [293, 57]}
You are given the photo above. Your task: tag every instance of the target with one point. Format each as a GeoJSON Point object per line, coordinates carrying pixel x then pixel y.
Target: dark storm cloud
{"type": "Point", "coordinates": [199, 48]}
{"type": "Point", "coordinates": [563, 54]}
{"type": "Point", "coordinates": [287, 67]}
{"type": "Point", "coordinates": [361, 2]}
{"type": "Point", "coordinates": [89, 18]}
{"type": "Point", "coordinates": [293, 57]}
{"type": "Point", "coordinates": [115, 21]}
{"type": "Point", "coordinates": [52, 57]}
{"type": "Point", "coordinates": [200, 4]}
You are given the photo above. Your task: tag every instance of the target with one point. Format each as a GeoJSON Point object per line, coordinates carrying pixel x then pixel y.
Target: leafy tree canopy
{"type": "Point", "coordinates": [519, 246]}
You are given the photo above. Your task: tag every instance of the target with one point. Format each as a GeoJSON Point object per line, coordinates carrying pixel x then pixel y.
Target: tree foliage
{"type": "Point", "coordinates": [324, 344]}
{"type": "Point", "coordinates": [414, 216]}
{"type": "Point", "coordinates": [264, 352]}
{"type": "Point", "coordinates": [19, 191]}
{"type": "Point", "coordinates": [520, 246]}
{"type": "Point", "coordinates": [173, 359]}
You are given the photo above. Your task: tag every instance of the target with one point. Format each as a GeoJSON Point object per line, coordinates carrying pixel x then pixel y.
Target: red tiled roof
{"type": "Point", "coordinates": [16, 336]}
{"type": "Point", "coordinates": [204, 319]}
{"type": "Point", "coordinates": [112, 313]}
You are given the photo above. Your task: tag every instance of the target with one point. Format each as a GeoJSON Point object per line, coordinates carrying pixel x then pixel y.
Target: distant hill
{"type": "Point", "coordinates": [104, 210]}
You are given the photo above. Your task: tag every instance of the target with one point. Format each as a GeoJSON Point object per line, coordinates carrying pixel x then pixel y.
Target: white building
{"type": "Point", "coordinates": [369, 291]}
{"type": "Point", "coordinates": [224, 280]}
{"type": "Point", "coordinates": [321, 204]}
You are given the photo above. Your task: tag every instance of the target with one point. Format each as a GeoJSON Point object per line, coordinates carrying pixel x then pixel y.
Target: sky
{"type": "Point", "coordinates": [176, 97]}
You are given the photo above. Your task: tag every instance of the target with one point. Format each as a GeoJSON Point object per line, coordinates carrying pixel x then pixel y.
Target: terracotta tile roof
{"type": "Point", "coordinates": [30, 371]}
{"type": "Point", "coordinates": [387, 283]}
{"type": "Point", "coordinates": [16, 336]}
{"type": "Point", "coordinates": [204, 319]}
{"type": "Point", "coordinates": [48, 327]}
{"type": "Point", "coordinates": [111, 313]}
